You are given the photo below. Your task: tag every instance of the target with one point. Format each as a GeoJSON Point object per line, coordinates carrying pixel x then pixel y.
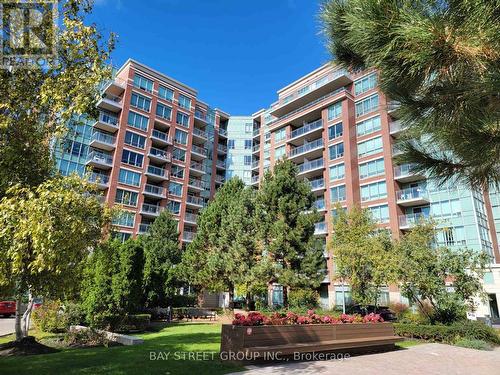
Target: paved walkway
{"type": "Point", "coordinates": [6, 326]}
{"type": "Point", "coordinates": [425, 359]}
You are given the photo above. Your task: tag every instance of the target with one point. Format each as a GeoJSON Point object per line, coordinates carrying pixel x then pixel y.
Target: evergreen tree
{"type": "Point", "coordinates": [286, 220]}
{"type": "Point", "coordinates": [439, 60]}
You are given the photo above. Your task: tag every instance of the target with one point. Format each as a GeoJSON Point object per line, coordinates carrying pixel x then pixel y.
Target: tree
{"type": "Point", "coordinates": [363, 254]}
{"type": "Point", "coordinates": [439, 60]}
{"type": "Point", "coordinates": [161, 255]}
{"type": "Point", "coordinates": [37, 102]}
{"type": "Point", "coordinates": [286, 220]}
{"type": "Point", "coordinates": [45, 235]}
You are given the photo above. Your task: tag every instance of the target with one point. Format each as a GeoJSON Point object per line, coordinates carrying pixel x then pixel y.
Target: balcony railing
{"type": "Point", "coordinates": [255, 164]}
{"type": "Point", "coordinates": [192, 218]}
{"type": "Point", "coordinates": [256, 132]}
{"type": "Point", "coordinates": [200, 115]}
{"type": "Point", "coordinates": [162, 154]}
{"type": "Point", "coordinates": [108, 118]}
{"type": "Point", "coordinates": [100, 157]}
{"type": "Point", "coordinates": [196, 183]}
{"type": "Point", "coordinates": [160, 135]}
{"type": "Point", "coordinates": [306, 128]}
{"type": "Point", "coordinates": [320, 204]}
{"type": "Point", "coordinates": [320, 228]}
{"type": "Point", "coordinates": [223, 132]}
{"type": "Point", "coordinates": [199, 133]}
{"type": "Point", "coordinates": [222, 148]}
{"type": "Point", "coordinates": [219, 178]}
{"type": "Point", "coordinates": [403, 170]}
{"type": "Point", "coordinates": [151, 208]}
{"type": "Point", "coordinates": [317, 184]}
{"type": "Point", "coordinates": [221, 163]}
{"type": "Point", "coordinates": [255, 179]}
{"type": "Point", "coordinates": [197, 166]}
{"type": "Point", "coordinates": [412, 193]}
{"type": "Point", "coordinates": [199, 201]}
{"type": "Point", "coordinates": [112, 98]}
{"type": "Point", "coordinates": [188, 236]}
{"type": "Point", "coordinates": [156, 171]}
{"type": "Point", "coordinates": [318, 143]}
{"type": "Point", "coordinates": [156, 190]}
{"type": "Point", "coordinates": [103, 138]}
{"type": "Point", "coordinates": [406, 221]}
{"type": "Point", "coordinates": [143, 228]}
{"type": "Point", "coordinates": [99, 178]}
{"type": "Point", "coordinates": [256, 148]}
{"type": "Point", "coordinates": [199, 150]}
{"type": "Point", "coordinates": [310, 165]}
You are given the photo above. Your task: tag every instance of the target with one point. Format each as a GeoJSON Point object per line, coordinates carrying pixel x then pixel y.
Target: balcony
{"type": "Point", "coordinates": [195, 201]}
{"type": "Point", "coordinates": [115, 86]}
{"type": "Point", "coordinates": [256, 149]}
{"type": "Point", "coordinates": [221, 164]}
{"type": "Point", "coordinates": [219, 179]}
{"type": "Point", "coordinates": [154, 191]}
{"type": "Point", "coordinates": [320, 205]}
{"type": "Point", "coordinates": [396, 150]}
{"type": "Point", "coordinates": [153, 210]}
{"type": "Point", "coordinates": [107, 122]}
{"type": "Point", "coordinates": [156, 173]}
{"type": "Point", "coordinates": [198, 152]}
{"type": "Point", "coordinates": [197, 168]}
{"type": "Point", "coordinates": [222, 149]}
{"type": "Point", "coordinates": [317, 184]}
{"type": "Point", "coordinates": [160, 138]}
{"type": "Point", "coordinates": [195, 184]}
{"type": "Point", "coordinates": [102, 141]}
{"type": "Point", "coordinates": [308, 129]}
{"type": "Point", "coordinates": [110, 102]}
{"type": "Point", "coordinates": [190, 218]}
{"type": "Point", "coordinates": [414, 196]}
{"type": "Point", "coordinates": [404, 173]}
{"type": "Point", "coordinates": [188, 236]}
{"type": "Point", "coordinates": [200, 134]}
{"type": "Point", "coordinates": [101, 179]}
{"type": "Point", "coordinates": [255, 180]}
{"type": "Point", "coordinates": [310, 168]}
{"type": "Point", "coordinates": [199, 115]}
{"type": "Point", "coordinates": [160, 156]}
{"type": "Point", "coordinates": [312, 149]}
{"type": "Point", "coordinates": [100, 160]}
{"type": "Point", "coordinates": [222, 132]}
{"type": "Point", "coordinates": [256, 164]}
{"type": "Point", "coordinates": [144, 228]}
{"type": "Point", "coordinates": [320, 229]}
{"type": "Point", "coordinates": [407, 221]}
{"type": "Point", "coordinates": [256, 133]}
{"type": "Point", "coordinates": [396, 127]}
{"type": "Point", "coordinates": [312, 91]}
{"type": "Point", "coordinates": [392, 108]}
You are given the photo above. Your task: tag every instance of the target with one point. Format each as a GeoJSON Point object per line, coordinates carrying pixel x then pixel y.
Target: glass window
{"type": "Point", "coordinates": [337, 193]}
{"type": "Point", "coordinates": [182, 119]}
{"type": "Point", "coordinates": [247, 160]}
{"type": "Point", "coordinates": [134, 139]}
{"type": "Point", "coordinates": [143, 83]}
{"type": "Point", "coordinates": [279, 152]}
{"type": "Point", "coordinates": [165, 93]}
{"type": "Point", "coordinates": [248, 127]}
{"type": "Point", "coordinates": [138, 121]}
{"type": "Point", "coordinates": [368, 126]}
{"type": "Point", "coordinates": [335, 131]}
{"type": "Point", "coordinates": [127, 198]}
{"type": "Point", "coordinates": [280, 135]}
{"type": "Point", "coordinates": [184, 102]}
{"type": "Point", "coordinates": [336, 151]}
{"type": "Point", "coordinates": [129, 177]}
{"type": "Point", "coordinates": [177, 171]}
{"type": "Point", "coordinates": [140, 101]}
{"type": "Point", "coordinates": [366, 83]}
{"type": "Point", "coordinates": [370, 147]}
{"type": "Point", "coordinates": [334, 111]}
{"type": "Point", "coordinates": [367, 105]}
{"type": "Point", "coordinates": [372, 168]}
{"type": "Point", "coordinates": [132, 158]}
{"type": "Point", "coordinates": [380, 213]}
{"type": "Point", "coordinates": [337, 172]}
{"type": "Point", "coordinates": [230, 144]}
{"type": "Point", "coordinates": [181, 137]}
{"type": "Point", "coordinates": [163, 111]}
{"type": "Point", "coordinates": [377, 190]}
{"type": "Point", "coordinates": [248, 144]}
{"type": "Point", "coordinates": [179, 154]}
{"type": "Point", "coordinates": [175, 189]}
{"type": "Point", "coordinates": [125, 219]}
{"type": "Point", "coordinates": [174, 207]}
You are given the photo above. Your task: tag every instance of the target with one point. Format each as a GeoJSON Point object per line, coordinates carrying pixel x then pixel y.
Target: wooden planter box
{"type": "Point", "coordinates": [291, 339]}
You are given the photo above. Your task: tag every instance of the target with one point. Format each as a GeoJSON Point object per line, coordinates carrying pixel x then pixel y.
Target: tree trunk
{"type": "Point", "coordinates": [285, 296]}
{"type": "Point", "coordinates": [19, 331]}
{"type": "Point", "coordinates": [27, 316]}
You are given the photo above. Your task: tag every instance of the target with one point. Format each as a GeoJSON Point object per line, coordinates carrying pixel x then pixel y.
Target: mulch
{"type": "Point", "coordinates": [26, 346]}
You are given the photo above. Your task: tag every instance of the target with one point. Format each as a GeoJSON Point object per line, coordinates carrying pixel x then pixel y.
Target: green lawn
{"type": "Point", "coordinates": [409, 343]}
{"type": "Point", "coordinates": [176, 339]}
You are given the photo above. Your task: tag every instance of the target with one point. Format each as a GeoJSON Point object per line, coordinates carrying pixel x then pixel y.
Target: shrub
{"type": "Point", "coordinates": [307, 298]}
{"type": "Point", "coordinates": [49, 317]}
{"type": "Point", "coordinates": [85, 337]}
{"type": "Point", "coordinates": [473, 344]}
{"type": "Point", "coordinates": [414, 318]}
{"type": "Point", "coordinates": [400, 309]}
{"type": "Point", "coordinates": [73, 314]}
{"type": "Point", "coordinates": [137, 322]}
{"type": "Point", "coordinates": [183, 300]}
{"type": "Point", "coordinates": [121, 323]}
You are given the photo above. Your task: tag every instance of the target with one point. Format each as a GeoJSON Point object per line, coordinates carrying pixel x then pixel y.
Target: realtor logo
{"type": "Point", "coordinates": [28, 32]}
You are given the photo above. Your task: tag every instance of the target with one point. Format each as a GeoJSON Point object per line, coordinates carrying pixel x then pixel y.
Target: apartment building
{"type": "Point", "coordinates": [155, 146]}
{"type": "Point", "coordinates": [239, 159]}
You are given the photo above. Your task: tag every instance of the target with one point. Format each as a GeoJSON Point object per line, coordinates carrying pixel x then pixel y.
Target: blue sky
{"type": "Point", "coordinates": [236, 53]}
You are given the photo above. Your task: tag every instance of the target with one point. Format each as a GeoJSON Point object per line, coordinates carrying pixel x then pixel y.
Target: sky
{"type": "Point", "coordinates": [235, 53]}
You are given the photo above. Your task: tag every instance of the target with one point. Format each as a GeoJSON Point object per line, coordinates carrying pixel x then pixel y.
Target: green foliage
{"type": "Point", "coordinates": [473, 344]}
{"type": "Point", "coordinates": [183, 300]}
{"type": "Point", "coordinates": [364, 255]}
{"type": "Point", "coordinates": [439, 59]}
{"type": "Point", "coordinates": [399, 309]}
{"type": "Point", "coordinates": [48, 317]}
{"type": "Point", "coordinates": [303, 298]}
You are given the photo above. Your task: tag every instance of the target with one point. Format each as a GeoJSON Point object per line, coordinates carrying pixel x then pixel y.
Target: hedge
{"type": "Point", "coordinates": [449, 334]}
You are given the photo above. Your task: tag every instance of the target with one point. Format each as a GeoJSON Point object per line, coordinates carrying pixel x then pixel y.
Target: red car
{"type": "Point", "coordinates": [7, 308]}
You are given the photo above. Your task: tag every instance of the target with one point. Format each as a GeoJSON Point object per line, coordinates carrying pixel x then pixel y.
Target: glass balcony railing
{"type": "Point", "coordinates": [144, 228]}
{"type": "Point", "coordinates": [310, 165]}
{"type": "Point", "coordinates": [99, 178]}
{"type": "Point", "coordinates": [219, 178]}
{"type": "Point", "coordinates": [100, 157]}
{"type": "Point", "coordinates": [306, 128]}
{"type": "Point", "coordinates": [255, 164]}
{"type": "Point", "coordinates": [320, 204]}
{"type": "Point", "coordinates": [199, 201]}
{"type": "Point", "coordinates": [196, 183]}
{"type": "Point", "coordinates": [255, 179]}
{"type": "Point", "coordinates": [197, 166]}
{"type": "Point", "coordinates": [153, 189]}
{"type": "Point", "coordinates": [404, 170]}
{"type": "Point", "coordinates": [199, 150]}
{"type": "Point", "coordinates": [162, 154]}
{"type": "Point", "coordinates": [318, 143]}
{"type": "Point", "coordinates": [108, 118]}
{"type": "Point", "coordinates": [221, 163]}
{"type": "Point", "coordinates": [317, 184]}
{"type": "Point", "coordinates": [223, 132]}
{"type": "Point", "coordinates": [156, 171]}
{"type": "Point", "coordinates": [256, 148]}
{"type": "Point", "coordinates": [412, 193]}
{"type": "Point", "coordinates": [151, 208]}
{"type": "Point", "coordinates": [406, 221]}
{"type": "Point", "coordinates": [112, 98]}
{"type": "Point", "coordinates": [256, 132]}
{"type": "Point", "coordinates": [320, 228]}
{"type": "Point", "coordinates": [160, 135]}
{"type": "Point", "coordinates": [192, 218]}
{"type": "Point", "coordinates": [222, 148]}
{"type": "Point", "coordinates": [103, 138]}
{"type": "Point", "coordinates": [199, 133]}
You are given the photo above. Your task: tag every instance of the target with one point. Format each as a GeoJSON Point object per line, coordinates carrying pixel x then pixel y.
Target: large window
{"type": "Point", "coordinates": [335, 131]}
{"type": "Point", "coordinates": [336, 151]}
{"type": "Point", "coordinates": [247, 160]}
{"type": "Point", "coordinates": [337, 193]}
{"type": "Point", "coordinates": [279, 152]}
{"type": "Point", "coordinates": [377, 190]}
{"type": "Point", "coordinates": [366, 83]}
{"type": "Point", "coordinates": [127, 198]}
{"type": "Point", "coordinates": [370, 147]}
{"type": "Point", "coordinates": [133, 139]}
{"type": "Point", "coordinates": [230, 144]}
{"type": "Point", "coordinates": [372, 168]}
{"type": "Point", "coordinates": [248, 144]}
{"type": "Point", "coordinates": [380, 213]}
{"type": "Point", "coordinates": [163, 111]}
{"type": "Point", "coordinates": [368, 126]}
{"type": "Point", "coordinates": [280, 135]}
{"type": "Point", "coordinates": [129, 177]}
{"type": "Point", "coordinates": [140, 101]}
{"type": "Point", "coordinates": [367, 105]}
{"type": "Point", "coordinates": [446, 208]}
{"type": "Point", "coordinates": [174, 207]}
{"type": "Point", "coordinates": [175, 189]}
{"type": "Point", "coordinates": [182, 119]}
{"type": "Point", "coordinates": [138, 121]}
{"type": "Point", "coordinates": [184, 102]}
{"type": "Point", "coordinates": [337, 172]}
{"type": "Point", "coordinates": [143, 83]}
{"type": "Point", "coordinates": [165, 93]}
{"type": "Point", "coordinates": [334, 111]}
{"type": "Point", "coordinates": [132, 158]}
{"type": "Point", "coordinates": [181, 137]}
{"type": "Point", "coordinates": [125, 219]}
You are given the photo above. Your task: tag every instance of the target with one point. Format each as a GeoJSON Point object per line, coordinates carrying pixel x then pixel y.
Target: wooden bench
{"type": "Point", "coordinates": [191, 313]}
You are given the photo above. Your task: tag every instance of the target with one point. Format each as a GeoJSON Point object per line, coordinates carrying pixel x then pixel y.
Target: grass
{"type": "Point", "coordinates": [174, 339]}
{"type": "Point", "coordinates": [408, 343]}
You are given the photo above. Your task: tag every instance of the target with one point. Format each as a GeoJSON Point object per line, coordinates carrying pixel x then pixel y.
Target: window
{"type": "Point", "coordinates": [129, 177]}
{"type": "Point", "coordinates": [182, 119]}
{"type": "Point", "coordinates": [163, 111]}
{"type": "Point", "coordinates": [446, 208]}
{"type": "Point", "coordinates": [372, 168]}
{"type": "Point", "coordinates": [177, 171]}
{"type": "Point", "coordinates": [132, 158]}
{"type": "Point", "coordinates": [121, 236]}
{"type": "Point", "coordinates": [175, 189]}
{"type": "Point", "coordinates": [174, 207]}
{"type": "Point", "coordinates": [138, 121]}
{"type": "Point", "coordinates": [125, 219]}
{"type": "Point", "coordinates": [368, 126]}
{"type": "Point", "coordinates": [179, 154]}
{"type": "Point", "coordinates": [279, 152]}
{"type": "Point", "coordinates": [337, 172]}
{"type": "Point", "coordinates": [370, 147]}
{"type": "Point", "coordinates": [367, 105]}
{"type": "Point", "coordinates": [247, 160]}
{"type": "Point", "coordinates": [127, 198]}
{"type": "Point", "coordinates": [339, 298]}
{"type": "Point", "coordinates": [184, 102]}
{"type": "Point", "coordinates": [140, 101]}
{"type": "Point", "coordinates": [380, 213]}
{"type": "Point", "coordinates": [334, 111]}
{"type": "Point", "coordinates": [377, 190]}
{"type": "Point", "coordinates": [230, 144]}
{"type": "Point", "coordinates": [165, 93]}
{"type": "Point", "coordinates": [181, 137]}
{"type": "Point", "coordinates": [143, 83]}
{"type": "Point", "coordinates": [248, 127]}
{"type": "Point", "coordinates": [335, 131]}
{"type": "Point", "coordinates": [336, 151]}
{"type": "Point", "coordinates": [136, 140]}
{"type": "Point", "coordinates": [280, 135]}
{"type": "Point", "coordinates": [248, 144]}
{"type": "Point", "coordinates": [364, 84]}
{"type": "Point", "coordinates": [337, 193]}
